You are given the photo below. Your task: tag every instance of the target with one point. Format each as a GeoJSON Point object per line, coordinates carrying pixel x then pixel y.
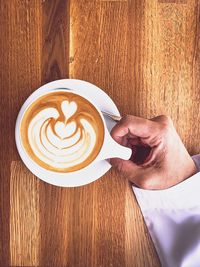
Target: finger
{"type": "Point", "coordinates": [142, 177]}
{"type": "Point", "coordinates": [124, 141]}
{"type": "Point", "coordinates": [163, 119]}
{"type": "Point", "coordinates": [126, 167]}
{"type": "Point", "coordinates": [136, 126]}
{"type": "Point", "coordinates": [156, 155]}
{"type": "Point", "coordinates": [136, 174]}
{"type": "Point", "coordinates": [134, 141]}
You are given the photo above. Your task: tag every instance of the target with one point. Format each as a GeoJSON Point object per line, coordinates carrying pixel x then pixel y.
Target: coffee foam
{"type": "Point", "coordinates": [62, 132]}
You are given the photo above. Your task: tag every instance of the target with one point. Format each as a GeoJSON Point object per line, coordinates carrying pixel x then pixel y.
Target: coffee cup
{"type": "Point", "coordinates": [106, 147]}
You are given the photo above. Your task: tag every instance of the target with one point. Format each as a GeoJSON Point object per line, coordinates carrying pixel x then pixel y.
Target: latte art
{"type": "Point", "coordinates": [61, 144]}
{"type": "Point", "coordinates": [63, 131]}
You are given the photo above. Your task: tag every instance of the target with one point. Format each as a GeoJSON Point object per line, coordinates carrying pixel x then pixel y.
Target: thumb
{"type": "Point", "coordinates": [126, 167]}
{"type": "Point", "coordinates": [133, 125]}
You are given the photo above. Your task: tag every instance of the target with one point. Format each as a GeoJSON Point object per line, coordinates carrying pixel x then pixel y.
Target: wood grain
{"type": "Point", "coordinates": [139, 250]}
{"type": "Point", "coordinates": [55, 40]}
{"type": "Point", "coordinates": [55, 216]}
{"type": "Point", "coordinates": [55, 202]}
{"type": "Point", "coordinates": [4, 144]}
{"type": "Point", "coordinates": [20, 75]}
{"type": "Point", "coordinates": [108, 57]}
{"type": "Point", "coordinates": [173, 1]}
{"type": "Point", "coordinates": [145, 55]}
{"type": "Point", "coordinates": [110, 223]}
{"type": "Point", "coordinates": [24, 217]}
{"type": "Point", "coordinates": [169, 61]}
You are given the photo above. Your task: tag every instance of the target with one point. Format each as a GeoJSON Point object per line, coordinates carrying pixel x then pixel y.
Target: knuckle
{"type": "Point", "coordinates": [120, 167]}
{"type": "Point", "coordinates": [165, 124]}
{"type": "Point", "coordinates": [117, 164]}
{"type": "Point", "coordinates": [163, 119]}
{"type": "Point", "coordinates": [126, 119]}
{"type": "Point", "coordinates": [166, 120]}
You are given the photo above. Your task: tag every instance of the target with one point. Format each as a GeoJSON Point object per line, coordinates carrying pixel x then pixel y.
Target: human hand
{"type": "Point", "coordinates": [159, 159]}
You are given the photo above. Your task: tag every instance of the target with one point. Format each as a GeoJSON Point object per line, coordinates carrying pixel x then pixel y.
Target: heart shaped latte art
{"type": "Point", "coordinates": [59, 138]}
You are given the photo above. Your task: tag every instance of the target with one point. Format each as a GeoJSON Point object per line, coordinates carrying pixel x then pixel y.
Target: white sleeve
{"type": "Point", "coordinates": [173, 220]}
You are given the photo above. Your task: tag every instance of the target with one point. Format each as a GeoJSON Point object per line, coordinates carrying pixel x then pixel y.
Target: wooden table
{"type": "Point", "coordinates": [146, 56]}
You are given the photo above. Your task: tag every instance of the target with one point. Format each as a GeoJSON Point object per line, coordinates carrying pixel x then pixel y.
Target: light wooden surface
{"type": "Point", "coordinates": [145, 55]}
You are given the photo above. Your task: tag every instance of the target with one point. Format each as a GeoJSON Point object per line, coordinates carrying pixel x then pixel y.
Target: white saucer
{"type": "Point", "coordinates": [90, 173]}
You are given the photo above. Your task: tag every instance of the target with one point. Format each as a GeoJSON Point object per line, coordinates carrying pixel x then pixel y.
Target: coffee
{"type": "Point", "coordinates": [62, 131]}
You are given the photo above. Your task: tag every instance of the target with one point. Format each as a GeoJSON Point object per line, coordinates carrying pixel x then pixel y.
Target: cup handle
{"type": "Point", "coordinates": [111, 149]}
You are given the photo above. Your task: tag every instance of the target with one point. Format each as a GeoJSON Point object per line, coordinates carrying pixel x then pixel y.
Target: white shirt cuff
{"type": "Point", "coordinates": [181, 196]}
{"type": "Point", "coordinates": [173, 220]}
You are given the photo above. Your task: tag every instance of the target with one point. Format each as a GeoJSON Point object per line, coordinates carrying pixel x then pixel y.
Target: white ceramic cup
{"type": "Point", "coordinates": [109, 149]}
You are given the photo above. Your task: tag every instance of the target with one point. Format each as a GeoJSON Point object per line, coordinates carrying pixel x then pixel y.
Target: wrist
{"type": "Point", "coordinates": [190, 168]}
